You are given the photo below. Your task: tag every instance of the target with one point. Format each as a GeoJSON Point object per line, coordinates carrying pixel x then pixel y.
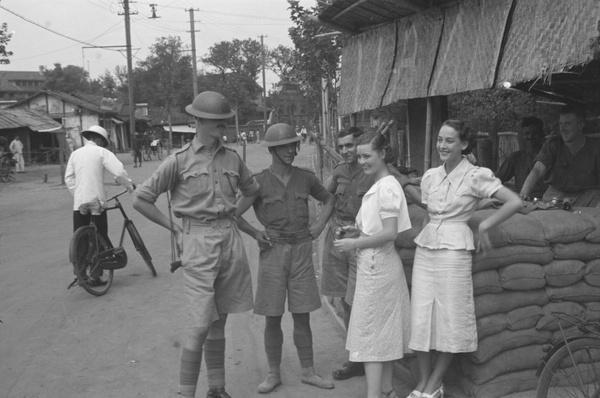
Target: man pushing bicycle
{"type": "Point", "coordinates": [84, 178]}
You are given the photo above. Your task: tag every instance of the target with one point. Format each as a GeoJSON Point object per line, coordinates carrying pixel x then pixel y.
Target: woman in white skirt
{"type": "Point", "coordinates": [443, 311]}
{"type": "Point", "coordinates": [379, 327]}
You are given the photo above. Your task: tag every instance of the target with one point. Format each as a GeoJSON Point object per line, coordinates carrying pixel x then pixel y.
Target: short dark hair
{"type": "Point", "coordinates": [353, 131]}
{"type": "Point", "coordinates": [576, 110]}
{"type": "Point", "coordinates": [465, 134]}
{"type": "Point", "coordinates": [533, 121]}
{"type": "Point", "coordinates": [378, 142]}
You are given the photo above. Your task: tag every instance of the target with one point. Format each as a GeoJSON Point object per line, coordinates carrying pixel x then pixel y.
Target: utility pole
{"type": "Point", "coordinates": [264, 101]}
{"type": "Point", "coordinates": [193, 33]}
{"type": "Point", "coordinates": [129, 71]}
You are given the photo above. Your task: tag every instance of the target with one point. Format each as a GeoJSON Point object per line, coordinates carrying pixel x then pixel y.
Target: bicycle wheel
{"type": "Point", "coordinates": [572, 371]}
{"type": "Point", "coordinates": [140, 246]}
{"type": "Point", "coordinates": [85, 246]}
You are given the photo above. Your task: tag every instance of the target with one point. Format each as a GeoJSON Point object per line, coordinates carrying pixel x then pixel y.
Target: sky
{"type": "Point", "coordinates": [46, 32]}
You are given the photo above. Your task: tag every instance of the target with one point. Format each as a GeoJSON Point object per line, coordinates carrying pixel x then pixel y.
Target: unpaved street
{"type": "Point", "coordinates": [57, 343]}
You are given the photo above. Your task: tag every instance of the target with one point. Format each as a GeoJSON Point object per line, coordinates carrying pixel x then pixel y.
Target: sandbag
{"type": "Point", "coordinates": [406, 239]}
{"type": "Point", "coordinates": [550, 322]}
{"type": "Point", "coordinates": [593, 215]}
{"type": "Point", "coordinates": [592, 273]}
{"type": "Point", "coordinates": [522, 358]}
{"type": "Point", "coordinates": [517, 230]}
{"type": "Point", "coordinates": [502, 385]}
{"type": "Point", "coordinates": [491, 324]}
{"type": "Point", "coordinates": [522, 276]}
{"type": "Point", "coordinates": [503, 256]}
{"type": "Point", "coordinates": [488, 304]}
{"type": "Point", "coordinates": [524, 317]}
{"type": "Point", "coordinates": [582, 250]}
{"type": "Point", "coordinates": [564, 272]}
{"type": "Point", "coordinates": [486, 282]}
{"type": "Point", "coordinates": [561, 226]}
{"type": "Point", "coordinates": [580, 292]}
{"type": "Point", "coordinates": [507, 340]}
{"type": "Point", "coordinates": [592, 311]}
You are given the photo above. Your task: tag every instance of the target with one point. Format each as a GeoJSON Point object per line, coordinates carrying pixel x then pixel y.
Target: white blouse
{"type": "Point", "coordinates": [451, 200]}
{"type": "Point", "coordinates": [385, 199]}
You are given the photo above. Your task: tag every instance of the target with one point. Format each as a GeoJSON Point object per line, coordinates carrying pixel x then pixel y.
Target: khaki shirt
{"type": "Point", "coordinates": [349, 189]}
{"type": "Point", "coordinates": [203, 185]}
{"type": "Point", "coordinates": [285, 208]}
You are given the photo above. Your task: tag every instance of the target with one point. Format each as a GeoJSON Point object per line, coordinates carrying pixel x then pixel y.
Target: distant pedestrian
{"type": "Point", "coordinates": [16, 147]}
{"type": "Point", "coordinates": [138, 144]}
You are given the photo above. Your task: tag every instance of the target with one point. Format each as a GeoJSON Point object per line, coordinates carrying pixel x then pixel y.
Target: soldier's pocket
{"type": "Point", "coordinates": [199, 180]}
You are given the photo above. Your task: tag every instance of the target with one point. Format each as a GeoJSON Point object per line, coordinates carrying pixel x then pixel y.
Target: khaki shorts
{"type": "Point", "coordinates": [216, 272]}
{"type": "Point", "coordinates": [338, 271]}
{"type": "Point", "coordinates": [286, 268]}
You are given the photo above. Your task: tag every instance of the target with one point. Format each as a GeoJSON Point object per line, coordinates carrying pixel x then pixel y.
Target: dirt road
{"type": "Point", "coordinates": [59, 343]}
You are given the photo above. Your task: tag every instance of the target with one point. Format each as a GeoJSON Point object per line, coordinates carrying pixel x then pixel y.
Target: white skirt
{"type": "Point", "coordinates": [442, 304]}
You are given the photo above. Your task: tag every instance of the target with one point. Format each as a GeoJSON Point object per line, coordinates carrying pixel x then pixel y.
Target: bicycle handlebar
{"type": "Point", "coordinates": [117, 195]}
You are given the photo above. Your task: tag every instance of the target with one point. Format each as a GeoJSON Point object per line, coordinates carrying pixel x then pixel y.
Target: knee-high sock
{"type": "Point", "coordinates": [273, 342]}
{"type": "Point", "coordinates": [214, 353]}
{"type": "Point", "coordinates": [303, 339]}
{"type": "Point", "coordinates": [189, 371]}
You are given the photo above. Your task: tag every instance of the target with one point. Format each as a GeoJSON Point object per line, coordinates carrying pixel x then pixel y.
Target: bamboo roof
{"type": "Point", "coordinates": [465, 45]}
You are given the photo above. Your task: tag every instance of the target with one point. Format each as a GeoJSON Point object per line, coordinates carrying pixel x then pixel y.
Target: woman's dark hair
{"type": "Point", "coordinates": [379, 143]}
{"type": "Point", "coordinates": [465, 134]}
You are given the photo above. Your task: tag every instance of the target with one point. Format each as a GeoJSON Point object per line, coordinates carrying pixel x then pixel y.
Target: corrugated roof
{"type": "Point", "coordinates": [36, 121]}
{"type": "Point", "coordinates": [67, 98]}
{"type": "Point", "coordinates": [360, 15]}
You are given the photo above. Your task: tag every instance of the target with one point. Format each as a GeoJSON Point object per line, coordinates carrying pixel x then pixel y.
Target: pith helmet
{"type": "Point", "coordinates": [280, 134]}
{"type": "Point", "coordinates": [95, 130]}
{"type": "Point", "coordinates": [210, 105]}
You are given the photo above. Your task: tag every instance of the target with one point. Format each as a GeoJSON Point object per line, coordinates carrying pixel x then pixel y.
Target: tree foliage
{"type": "Point", "coordinates": [284, 62]}
{"type": "Point", "coordinates": [318, 57]}
{"type": "Point", "coordinates": [164, 78]}
{"type": "Point", "coordinates": [4, 39]}
{"type": "Point", "coordinates": [69, 79]}
{"type": "Point", "coordinates": [236, 65]}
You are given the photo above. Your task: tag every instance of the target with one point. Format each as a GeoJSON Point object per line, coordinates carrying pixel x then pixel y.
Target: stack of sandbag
{"type": "Point", "coordinates": [542, 262]}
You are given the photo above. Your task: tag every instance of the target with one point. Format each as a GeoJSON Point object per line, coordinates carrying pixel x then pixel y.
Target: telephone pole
{"type": "Point", "coordinates": [129, 70]}
{"type": "Point", "coordinates": [193, 32]}
{"type": "Point", "coordinates": [264, 102]}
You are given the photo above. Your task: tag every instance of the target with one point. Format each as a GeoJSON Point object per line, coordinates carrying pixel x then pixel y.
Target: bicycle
{"type": "Point", "coordinates": [571, 367]}
{"type": "Point", "coordinates": [93, 257]}
{"type": "Point", "coordinates": [156, 149]}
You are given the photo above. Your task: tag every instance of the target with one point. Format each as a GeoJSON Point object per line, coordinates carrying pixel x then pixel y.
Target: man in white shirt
{"type": "Point", "coordinates": [16, 147]}
{"type": "Point", "coordinates": [85, 177]}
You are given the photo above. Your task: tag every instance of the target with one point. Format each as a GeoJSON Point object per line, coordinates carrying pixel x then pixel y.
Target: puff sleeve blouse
{"type": "Point", "coordinates": [385, 199]}
{"type": "Point", "coordinates": [451, 200]}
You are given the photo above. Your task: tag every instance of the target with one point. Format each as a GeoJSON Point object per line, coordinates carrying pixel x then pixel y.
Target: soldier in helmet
{"type": "Point", "coordinates": [204, 178]}
{"type": "Point", "coordinates": [285, 262]}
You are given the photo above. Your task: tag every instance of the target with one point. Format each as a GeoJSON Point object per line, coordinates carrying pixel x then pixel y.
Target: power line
{"type": "Point", "coordinates": [50, 30]}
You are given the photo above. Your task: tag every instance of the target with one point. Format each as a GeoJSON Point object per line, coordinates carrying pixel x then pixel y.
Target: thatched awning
{"type": "Point", "coordinates": [34, 120]}
{"type": "Point", "coordinates": [469, 45]}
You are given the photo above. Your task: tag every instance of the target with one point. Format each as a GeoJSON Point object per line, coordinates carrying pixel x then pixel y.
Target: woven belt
{"type": "Point", "coordinates": [288, 237]}
{"type": "Point", "coordinates": [213, 225]}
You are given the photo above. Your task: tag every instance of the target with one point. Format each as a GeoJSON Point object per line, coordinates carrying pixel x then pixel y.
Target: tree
{"type": "Point", "coordinates": [318, 57]}
{"type": "Point", "coordinates": [237, 65]}
{"type": "Point", "coordinates": [164, 78]}
{"type": "Point", "coordinates": [4, 39]}
{"type": "Point", "coordinates": [284, 62]}
{"type": "Point", "coordinates": [242, 57]}
{"type": "Point", "coordinates": [69, 79]}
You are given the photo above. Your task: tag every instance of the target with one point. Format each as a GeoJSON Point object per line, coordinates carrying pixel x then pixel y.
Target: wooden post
{"type": "Point", "coordinates": [428, 133]}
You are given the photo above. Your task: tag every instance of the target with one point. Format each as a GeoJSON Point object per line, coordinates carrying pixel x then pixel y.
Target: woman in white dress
{"type": "Point", "coordinates": [443, 311]}
{"type": "Point", "coordinates": [379, 326]}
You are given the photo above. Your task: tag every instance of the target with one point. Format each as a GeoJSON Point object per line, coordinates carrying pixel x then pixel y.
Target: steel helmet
{"type": "Point", "coordinates": [210, 105]}
{"type": "Point", "coordinates": [280, 134]}
{"type": "Point", "coordinates": [97, 130]}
